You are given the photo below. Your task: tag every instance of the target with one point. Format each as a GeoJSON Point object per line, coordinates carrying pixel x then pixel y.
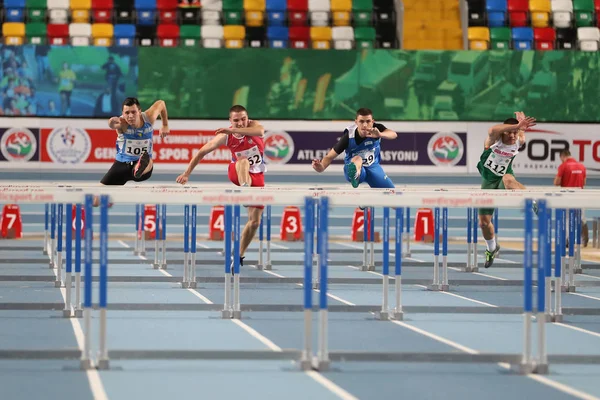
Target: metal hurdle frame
{"type": "Point", "coordinates": [324, 357]}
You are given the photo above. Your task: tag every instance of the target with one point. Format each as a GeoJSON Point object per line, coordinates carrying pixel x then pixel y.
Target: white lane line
{"type": "Point", "coordinates": [590, 276]}
{"type": "Point", "coordinates": [541, 379]}
{"type": "Point", "coordinates": [352, 246]}
{"type": "Point", "coordinates": [464, 298]}
{"type": "Point", "coordinates": [122, 243]}
{"type": "Point", "coordinates": [587, 296]}
{"type": "Point", "coordinates": [335, 389]}
{"type": "Point", "coordinates": [202, 245]}
{"type": "Point", "coordinates": [278, 246]}
{"type": "Point", "coordinates": [96, 385]}
{"type": "Point", "coordinates": [578, 329]}
{"type": "Point", "coordinates": [480, 274]}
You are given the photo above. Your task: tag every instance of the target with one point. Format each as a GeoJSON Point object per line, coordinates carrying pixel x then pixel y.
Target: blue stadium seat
{"type": "Point", "coordinates": [496, 12]}
{"type": "Point", "coordinates": [278, 37]}
{"type": "Point", "coordinates": [146, 12]}
{"type": "Point", "coordinates": [522, 38]}
{"type": "Point", "coordinates": [124, 35]}
{"type": "Point", "coordinates": [14, 10]}
{"type": "Point", "coordinates": [276, 12]}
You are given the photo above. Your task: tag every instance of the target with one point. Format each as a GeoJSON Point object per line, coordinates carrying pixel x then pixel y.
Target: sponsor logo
{"type": "Point", "coordinates": [279, 147]}
{"type": "Point", "coordinates": [445, 149]}
{"type": "Point", "coordinates": [18, 144]}
{"type": "Point", "coordinates": [68, 145]}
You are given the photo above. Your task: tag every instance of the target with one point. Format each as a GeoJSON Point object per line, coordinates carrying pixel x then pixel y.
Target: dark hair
{"type": "Point", "coordinates": [131, 101]}
{"type": "Point", "coordinates": [237, 108]}
{"type": "Point", "coordinates": [511, 121]}
{"type": "Point", "coordinates": [565, 153]}
{"type": "Point", "coordinates": [363, 112]}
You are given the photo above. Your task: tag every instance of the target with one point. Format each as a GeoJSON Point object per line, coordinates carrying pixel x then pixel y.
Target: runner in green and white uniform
{"type": "Point", "coordinates": [495, 167]}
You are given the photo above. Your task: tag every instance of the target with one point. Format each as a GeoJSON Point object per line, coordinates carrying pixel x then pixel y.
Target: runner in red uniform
{"type": "Point", "coordinates": [245, 140]}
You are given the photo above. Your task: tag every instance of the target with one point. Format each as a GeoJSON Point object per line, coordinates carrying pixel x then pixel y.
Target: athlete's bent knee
{"type": "Point", "coordinates": [356, 159]}
{"type": "Point", "coordinates": [242, 162]}
{"type": "Point", "coordinates": [508, 180]}
{"type": "Point", "coordinates": [485, 222]}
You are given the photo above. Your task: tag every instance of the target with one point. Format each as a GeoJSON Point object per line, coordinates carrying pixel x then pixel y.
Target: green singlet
{"type": "Point", "coordinates": [494, 163]}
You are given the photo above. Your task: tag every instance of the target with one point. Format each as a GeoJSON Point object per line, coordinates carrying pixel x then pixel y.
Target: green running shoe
{"type": "Point", "coordinates": [490, 255]}
{"type": "Point", "coordinates": [353, 175]}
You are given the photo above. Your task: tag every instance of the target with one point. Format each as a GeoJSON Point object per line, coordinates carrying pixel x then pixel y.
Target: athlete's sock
{"type": "Point", "coordinates": [491, 244]}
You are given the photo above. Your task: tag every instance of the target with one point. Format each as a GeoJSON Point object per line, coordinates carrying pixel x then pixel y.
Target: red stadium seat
{"type": "Point", "coordinates": [167, 11]}
{"type": "Point", "coordinates": [58, 34]}
{"type": "Point", "coordinates": [297, 12]}
{"type": "Point", "coordinates": [597, 9]}
{"type": "Point", "coordinates": [168, 35]}
{"type": "Point", "coordinates": [518, 11]}
{"type": "Point", "coordinates": [102, 11]}
{"type": "Point", "coordinates": [299, 37]}
{"type": "Point", "coordinates": [544, 38]}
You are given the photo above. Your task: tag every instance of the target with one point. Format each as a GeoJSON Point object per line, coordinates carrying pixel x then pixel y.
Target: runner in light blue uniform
{"type": "Point", "coordinates": [134, 141]}
{"type": "Point", "coordinates": [361, 142]}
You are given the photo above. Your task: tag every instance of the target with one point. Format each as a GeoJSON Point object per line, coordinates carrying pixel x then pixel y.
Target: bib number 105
{"type": "Point", "coordinates": [498, 169]}
{"type": "Point", "coordinates": [136, 151]}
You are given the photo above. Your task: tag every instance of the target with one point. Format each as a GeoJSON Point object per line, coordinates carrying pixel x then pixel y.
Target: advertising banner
{"type": "Point", "coordinates": [19, 145]}
{"type": "Point", "coordinates": [541, 155]}
{"type": "Point", "coordinates": [424, 149]}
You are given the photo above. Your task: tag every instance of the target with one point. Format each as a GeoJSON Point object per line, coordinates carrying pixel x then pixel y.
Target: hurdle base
{"type": "Point", "coordinates": [578, 271]}
{"type": "Point", "coordinates": [226, 314]}
{"type": "Point", "coordinates": [541, 369]}
{"type": "Point", "coordinates": [155, 266]}
{"type": "Point", "coordinates": [268, 267]}
{"type": "Point", "coordinates": [398, 316]}
{"type": "Point", "coordinates": [85, 364]}
{"type": "Point", "coordinates": [315, 285]}
{"type": "Point", "coordinates": [236, 315]}
{"type": "Point", "coordinates": [557, 318]}
{"type": "Point", "coordinates": [185, 285]}
{"type": "Point", "coordinates": [470, 269]}
{"type": "Point", "coordinates": [78, 313]}
{"type": "Point", "coordinates": [51, 265]}
{"type": "Point", "coordinates": [435, 287]}
{"type": "Point", "coordinates": [305, 365]}
{"type": "Point", "coordinates": [45, 252]}
{"type": "Point", "coordinates": [141, 253]}
{"type": "Point", "coordinates": [192, 285]}
{"type": "Point", "coordinates": [445, 288]}
{"type": "Point", "coordinates": [259, 267]}
{"type": "Point", "coordinates": [67, 313]}
{"type": "Point", "coordinates": [382, 315]}
{"type": "Point", "coordinates": [371, 268]}
{"type": "Point", "coordinates": [571, 289]}
{"type": "Point", "coordinates": [58, 284]}
{"type": "Point", "coordinates": [364, 268]}
{"type": "Point", "coordinates": [406, 254]}
{"type": "Point", "coordinates": [103, 364]}
{"type": "Point", "coordinates": [322, 365]}
{"type": "Point", "coordinates": [522, 368]}
{"type": "Point", "coordinates": [549, 318]}
{"type": "Point", "coordinates": [163, 266]}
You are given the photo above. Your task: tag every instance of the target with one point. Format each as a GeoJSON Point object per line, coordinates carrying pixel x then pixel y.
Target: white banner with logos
{"type": "Point", "coordinates": [545, 141]}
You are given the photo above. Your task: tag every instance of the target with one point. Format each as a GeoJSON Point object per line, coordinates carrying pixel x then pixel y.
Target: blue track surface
{"type": "Point", "coordinates": [455, 322]}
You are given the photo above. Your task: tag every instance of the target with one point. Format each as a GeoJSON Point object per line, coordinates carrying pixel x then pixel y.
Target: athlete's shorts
{"type": "Point", "coordinates": [257, 180]}
{"type": "Point", "coordinates": [374, 176]}
{"type": "Point", "coordinates": [122, 172]}
{"type": "Point", "coordinates": [495, 184]}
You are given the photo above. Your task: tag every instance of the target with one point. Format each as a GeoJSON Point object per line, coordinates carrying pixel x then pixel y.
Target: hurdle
{"type": "Point", "coordinates": [440, 284]}
{"type": "Point", "coordinates": [52, 249]}
{"type": "Point", "coordinates": [472, 223]}
{"type": "Point", "coordinates": [157, 237]}
{"type": "Point", "coordinates": [186, 246]}
{"type": "Point", "coordinates": [86, 360]}
{"type": "Point", "coordinates": [58, 283]}
{"type": "Point", "coordinates": [46, 233]}
{"type": "Point", "coordinates": [231, 309]}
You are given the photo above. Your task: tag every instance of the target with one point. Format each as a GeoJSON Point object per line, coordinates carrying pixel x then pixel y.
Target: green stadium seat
{"type": "Point", "coordinates": [500, 38]}
{"type": "Point", "coordinates": [583, 11]}
{"type": "Point", "coordinates": [35, 33]}
{"type": "Point", "coordinates": [362, 12]}
{"type": "Point", "coordinates": [190, 35]}
{"type": "Point", "coordinates": [364, 37]}
{"type": "Point", "coordinates": [36, 10]}
{"type": "Point", "coordinates": [233, 12]}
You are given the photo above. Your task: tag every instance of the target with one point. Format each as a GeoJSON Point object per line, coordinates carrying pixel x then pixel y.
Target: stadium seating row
{"type": "Point", "coordinates": [527, 38]}
{"type": "Point", "coordinates": [534, 13]}
{"type": "Point", "coordinates": [209, 36]}
{"type": "Point", "coordinates": [227, 12]}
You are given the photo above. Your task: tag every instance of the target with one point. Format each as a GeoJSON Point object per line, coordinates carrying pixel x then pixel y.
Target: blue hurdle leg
{"type": "Point", "coordinates": [67, 311]}
{"type": "Point", "coordinates": [192, 282]}
{"type": "Point", "coordinates": [46, 223]}
{"type": "Point", "coordinates": [384, 313]}
{"type": "Point", "coordinates": [398, 313]}
{"type": "Point", "coordinates": [227, 311]}
{"type": "Point", "coordinates": [59, 247]}
{"type": "Point", "coordinates": [103, 284]}
{"type": "Point", "coordinates": [78, 223]}
{"type": "Point", "coordinates": [309, 226]}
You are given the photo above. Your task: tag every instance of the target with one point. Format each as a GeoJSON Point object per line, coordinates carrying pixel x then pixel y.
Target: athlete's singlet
{"type": "Point", "coordinates": [135, 141]}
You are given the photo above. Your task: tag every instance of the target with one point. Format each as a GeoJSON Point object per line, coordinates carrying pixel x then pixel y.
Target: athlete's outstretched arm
{"type": "Point", "coordinates": [159, 108]}
{"type": "Point", "coordinates": [254, 129]}
{"type": "Point", "coordinates": [321, 165]}
{"type": "Point", "coordinates": [118, 123]}
{"type": "Point", "coordinates": [209, 147]}
{"type": "Point", "coordinates": [496, 131]}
